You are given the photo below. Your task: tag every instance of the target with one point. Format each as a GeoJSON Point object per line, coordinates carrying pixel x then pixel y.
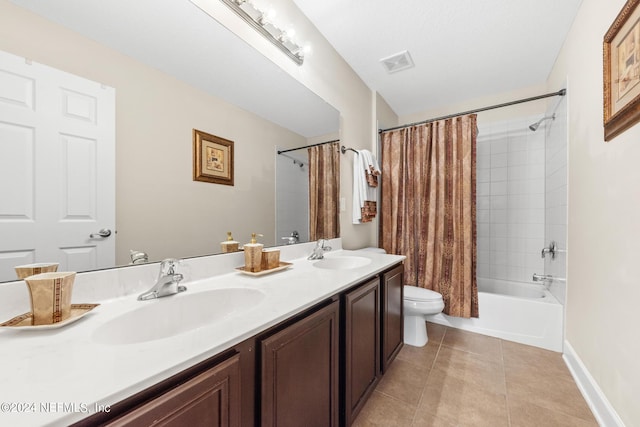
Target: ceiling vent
{"type": "Point", "coordinates": [398, 62]}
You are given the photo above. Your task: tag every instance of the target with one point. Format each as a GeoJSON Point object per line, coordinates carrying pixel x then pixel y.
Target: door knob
{"type": "Point", "coordinates": [105, 232]}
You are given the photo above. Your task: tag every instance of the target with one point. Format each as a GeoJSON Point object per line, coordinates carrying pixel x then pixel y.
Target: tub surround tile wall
{"type": "Point", "coordinates": [556, 198]}
{"type": "Point", "coordinates": [510, 199]}
{"type": "Point", "coordinates": [292, 196]}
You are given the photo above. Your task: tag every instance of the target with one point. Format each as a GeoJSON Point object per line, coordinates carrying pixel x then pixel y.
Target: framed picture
{"type": "Point", "coordinates": [621, 52]}
{"type": "Point", "coordinates": [212, 158]}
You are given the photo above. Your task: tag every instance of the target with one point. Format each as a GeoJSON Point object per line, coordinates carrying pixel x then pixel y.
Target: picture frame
{"type": "Point", "coordinates": [212, 158]}
{"type": "Point", "coordinates": [621, 61]}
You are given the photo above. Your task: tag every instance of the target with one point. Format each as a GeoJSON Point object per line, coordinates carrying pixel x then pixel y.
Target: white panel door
{"type": "Point", "coordinates": [57, 168]}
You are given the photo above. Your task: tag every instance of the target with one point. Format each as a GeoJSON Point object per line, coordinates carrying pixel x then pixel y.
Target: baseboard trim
{"type": "Point", "coordinates": [602, 410]}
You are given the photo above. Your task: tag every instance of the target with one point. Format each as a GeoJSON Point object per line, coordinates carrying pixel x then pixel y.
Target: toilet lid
{"type": "Point", "coordinates": [415, 293]}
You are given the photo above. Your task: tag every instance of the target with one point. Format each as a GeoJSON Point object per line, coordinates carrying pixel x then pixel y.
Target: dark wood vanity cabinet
{"type": "Point", "coordinates": [212, 398]}
{"type": "Point", "coordinates": [219, 391]}
{"type": "Point", "coordinates": [361, 355]}
{"type": "Point", "coordinates": [299, 364]}
{"type": "Point", "coordinates": [317, 368]}
{"type": "Point", "coordinates": [299, 372]}
{"type": "Point", "coordinates": [392, 313]}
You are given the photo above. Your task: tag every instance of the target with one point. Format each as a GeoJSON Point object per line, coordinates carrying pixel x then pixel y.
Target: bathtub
{"type": "Point", "coordinates": [522, 312]}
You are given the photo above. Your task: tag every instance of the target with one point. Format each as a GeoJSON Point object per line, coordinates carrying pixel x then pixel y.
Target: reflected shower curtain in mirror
{"type": "Point", "coordinates": [428, 208]}
{"type": "Point", "coordinates": [324, 190]}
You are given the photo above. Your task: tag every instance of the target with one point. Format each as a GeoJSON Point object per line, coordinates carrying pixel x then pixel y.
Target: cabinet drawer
{"type": "Point", "coordinates": [210, 399]}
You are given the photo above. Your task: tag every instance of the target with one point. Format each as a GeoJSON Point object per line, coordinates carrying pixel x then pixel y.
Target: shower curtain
{"type": "Point", "coordinates": [428, 208]}
{"type": "Point", "coordinates": [324, 190]}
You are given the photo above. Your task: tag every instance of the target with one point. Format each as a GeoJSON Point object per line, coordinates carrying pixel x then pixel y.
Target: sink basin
{"type": "Point", "coordinates": [342, 262]}
{"type": "Point", "coordinates": [173, 315]}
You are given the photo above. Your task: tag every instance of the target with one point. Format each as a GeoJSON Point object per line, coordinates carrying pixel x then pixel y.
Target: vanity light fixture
{"type": "Point", "coordinates": [263, 23]}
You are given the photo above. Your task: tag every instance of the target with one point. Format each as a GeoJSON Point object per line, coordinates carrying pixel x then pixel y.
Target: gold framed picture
{"type": "Point", "coordinates": [212, 158]}
{"type": "Point", "coordinates": [621, 54]}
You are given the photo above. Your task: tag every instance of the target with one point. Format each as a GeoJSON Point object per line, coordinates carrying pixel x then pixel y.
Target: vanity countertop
{"type": "Point", "coordinates": [59, 376]}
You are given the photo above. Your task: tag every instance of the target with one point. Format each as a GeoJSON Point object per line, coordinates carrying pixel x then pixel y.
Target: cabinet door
{"type": "Point", "coordinates": [392, 315]}
{"type": "Point", "coordinates": [209, 399]}
{"type": "Point", "coordinates": [300, 372]}
{"type": "Point", "coordinates": [362, 346]}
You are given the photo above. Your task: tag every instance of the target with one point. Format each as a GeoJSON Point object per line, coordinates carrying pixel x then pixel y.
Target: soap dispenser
{"type": "Point", "coordinates": [253, 254]}
{"type": "Point", "coordinates": [229, 245]}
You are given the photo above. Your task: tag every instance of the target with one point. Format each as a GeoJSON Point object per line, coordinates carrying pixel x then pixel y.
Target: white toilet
{"type": "Point", "coordinates": [418, 303]}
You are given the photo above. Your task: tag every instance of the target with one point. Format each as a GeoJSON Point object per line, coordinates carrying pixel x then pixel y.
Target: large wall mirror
{"type": "Point", "coordinates": [175, 69]}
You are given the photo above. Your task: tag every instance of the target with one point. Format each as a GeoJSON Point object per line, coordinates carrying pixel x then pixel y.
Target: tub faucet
{"type": "Point", "coordinates": [542, 277]}
{"type": "Point", "coordinates": [167, 283]}
{"type": "Point", "coordinates": [319, 250]}
{"type": "Point", "coordinates": [549, 250]}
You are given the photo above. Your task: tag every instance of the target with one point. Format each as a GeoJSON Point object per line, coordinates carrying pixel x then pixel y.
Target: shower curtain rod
{"type": "Point", "coordinates": [307, 146]}
{"type": "Point", "coordinates": [561, 92]}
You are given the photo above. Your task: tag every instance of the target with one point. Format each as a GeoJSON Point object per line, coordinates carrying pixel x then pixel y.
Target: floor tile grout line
{"type": "Point", "coordinates": [506, 389]}
{"type": "Point", "coordinates": [505, 348]}
{"type": "Point", "coordinates": [415, 412]}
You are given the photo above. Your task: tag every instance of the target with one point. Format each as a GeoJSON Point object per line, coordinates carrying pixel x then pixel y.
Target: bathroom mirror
{"type": "Point", "coordinates": [175, 69]}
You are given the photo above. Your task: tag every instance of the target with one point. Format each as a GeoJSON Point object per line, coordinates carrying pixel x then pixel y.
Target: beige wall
{"type": "Point", "coordinates": [385, 116]}
{"type": "Point", "coordinates": [160, 209]}
{"type": "Point", "coordinates": [603, 287]}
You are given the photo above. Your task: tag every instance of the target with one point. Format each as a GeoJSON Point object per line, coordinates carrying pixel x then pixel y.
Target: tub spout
{"type": "Point", "coordinates": [542, 277]}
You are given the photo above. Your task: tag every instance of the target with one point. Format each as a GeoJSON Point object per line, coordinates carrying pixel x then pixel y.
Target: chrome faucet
{"type": "Point", "coordinates": [542, 277]}
{"type": "Point", "coordinates": [549, 250]}
{"type": "Point", "coordinates": [319, 250]}
{"type": "Point", "coordinates": [167, 283]}
{"type": "Point", "coordinates": [138, 257]}
{"type": "Point", "coordinates": [293, 238]}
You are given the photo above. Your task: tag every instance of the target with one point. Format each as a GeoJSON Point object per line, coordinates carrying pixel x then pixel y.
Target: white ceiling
{"type": "Point", "coordinates": [462, 50]}
{"type": "Point", "coordinates": [178, 38]}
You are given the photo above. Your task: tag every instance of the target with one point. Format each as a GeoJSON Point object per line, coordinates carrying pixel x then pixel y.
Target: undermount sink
{"type": "Point", "coordinates": [173, 315]}
{"type": "Point", "coordinates": [342, 262]}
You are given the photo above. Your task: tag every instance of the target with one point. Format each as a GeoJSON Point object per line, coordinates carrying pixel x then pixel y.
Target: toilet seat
{"type": "Point", "coordinates": [414, 293]}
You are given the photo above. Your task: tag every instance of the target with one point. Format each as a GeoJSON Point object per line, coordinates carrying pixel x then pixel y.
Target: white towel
{"type": "Point", "coordinates": [370, 162]}
{"type": "Point", "coordinates": [361, 190]}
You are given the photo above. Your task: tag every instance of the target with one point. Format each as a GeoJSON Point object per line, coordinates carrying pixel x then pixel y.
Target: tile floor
{"type": "Point", "coordinates": [464, 379]}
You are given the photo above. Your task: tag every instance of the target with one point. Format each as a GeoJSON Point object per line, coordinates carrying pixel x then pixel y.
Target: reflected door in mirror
{"type": "Point", "coordinates": [57, 149]}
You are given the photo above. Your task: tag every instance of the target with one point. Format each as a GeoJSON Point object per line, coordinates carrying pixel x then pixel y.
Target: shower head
{"type": "Point", "coordinates": [534, 127]}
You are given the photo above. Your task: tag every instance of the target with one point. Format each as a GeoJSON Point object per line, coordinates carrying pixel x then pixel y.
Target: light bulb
{"type": "Point", "coordinates": [271, 13]}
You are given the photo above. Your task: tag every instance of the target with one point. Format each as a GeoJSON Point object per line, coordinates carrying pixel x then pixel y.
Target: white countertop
{"type": "Point", "coordinates": [58, 376]}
